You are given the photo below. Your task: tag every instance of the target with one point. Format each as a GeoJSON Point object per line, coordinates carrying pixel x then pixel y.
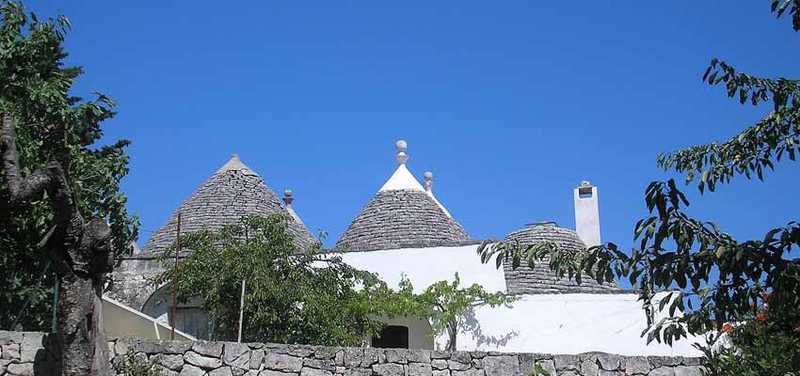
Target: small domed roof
{"type": "Point", "coordinates": [401, 215]}
{"type": "Point", "coordinates": [540, 279]}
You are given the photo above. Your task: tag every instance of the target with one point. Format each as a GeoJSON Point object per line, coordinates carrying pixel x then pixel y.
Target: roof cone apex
{"type": "Point", "coordinates": [235, 164]}
{"type": "Point", "coordinates": [402, 179]}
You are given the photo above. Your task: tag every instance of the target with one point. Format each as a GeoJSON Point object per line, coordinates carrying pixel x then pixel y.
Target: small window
{"type": "Point", "coordinates": [585, 192]}
{"type": "Point", "coordinates": [392, 337]}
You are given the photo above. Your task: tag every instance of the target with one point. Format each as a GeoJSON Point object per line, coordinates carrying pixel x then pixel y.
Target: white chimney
{"type": "Point", "coordinates": [587, 214]}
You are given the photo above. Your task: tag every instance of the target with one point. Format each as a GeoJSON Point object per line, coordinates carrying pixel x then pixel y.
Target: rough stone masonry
{"type": "Point", "coordinates": [27, 353]}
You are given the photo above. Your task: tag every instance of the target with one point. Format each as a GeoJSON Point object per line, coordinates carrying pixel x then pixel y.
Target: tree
{"type": "Point", "coordinates": [444, 304]}
{"type": "Point", "coordinates": [61, 211]}
{"type": "Point", "coordinates": [291, 297]}
{"type": "Point", "coordinates": [719, 279]}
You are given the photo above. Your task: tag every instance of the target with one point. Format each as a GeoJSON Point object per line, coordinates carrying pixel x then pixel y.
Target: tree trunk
{"type": "Point", "coordinates": [452, 332]}
{"type": "Point", "coordinates": [80, 321]}
{"type": "Point", "coordinates": [80, 250]}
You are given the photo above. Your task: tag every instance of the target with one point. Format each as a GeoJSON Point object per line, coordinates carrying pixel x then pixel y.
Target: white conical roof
{"type": "Point", "coordinates": [402, 214]}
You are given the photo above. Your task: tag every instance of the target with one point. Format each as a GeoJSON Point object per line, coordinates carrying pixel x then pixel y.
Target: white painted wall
{"type": "Point", "coordinates": [120, 320]}
{"type": "Point", "coordinates": [425, 266]}
{"type": "Point", "coordinates": [568, 324]}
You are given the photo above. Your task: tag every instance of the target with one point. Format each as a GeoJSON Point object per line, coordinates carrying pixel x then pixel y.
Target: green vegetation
{"type": "Point", "coordinates": [722, 283]}
{"type": "Point", "coordinates": [444, 304]}
{"type": "Point", "coordinates": [137, 366]}
{"type": "Point", "coordinates": [291, 296]}
{"type": "Point", "coordinates": [51, 125]}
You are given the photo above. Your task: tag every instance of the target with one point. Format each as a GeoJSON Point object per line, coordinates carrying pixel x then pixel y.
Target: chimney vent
{"type": "Point", "coordinates": [587, 214]}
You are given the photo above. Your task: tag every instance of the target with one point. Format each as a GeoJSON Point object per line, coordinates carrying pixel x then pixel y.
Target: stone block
{"type": "Point", "coordinates": [20, 369]}
{"type": "Point", "coordinates": [662, 371]}
{"type": "Point", "coordinates": [28, 355]}
{"type": "Point", "coordinates": [471, 372]}
{"type": "Point", "coordinates": [269, 372]}
{"type": "Point", "coordinates": [589, 367]}
{"type": "Point", "coordinates": [355, 372]}
{"type": "Point", "coordinates": [688, 371]}
{"type": "Point", "coordinates": [501, 365]}
{"type": "Point", "coordinates": [461, 357]}
{"type": "Point", "coordinates": [441, 373]}
{"type": "Point", "coordinates": [11, 351]}
{"type": "Point", "coordinates": [396, 356]}
{"type": "Point", "coordinates": [637, 365]}
{"type": "Point", "coordinates": [353, 357]}
{"type": "Point", "coordinates": [323, 364]}
{"type": "Point", "coordinates": [660, 361]}
{"type": "Point", "coordinates": [609, 362]}
{"type": "Point", "coordinates": [566, 362]}
{"type": "Point", "coordinates": [177, 347]}
{"type": "Point", "coordinates": [323, 352]}
{"type": "Point", "coordinates": [213, 349]}
{"type": "Point", "coordinates": [388, 369]}
{"type": "Point", "coordinates": [419, 356]}
{"type": "Point", "coordinates": [224, 371]}
{"type": "Point", "coordinates": [33, 340]}
{"type": "Point", "coordinates": [283, 362]}
{"type": "Point", "coordinates": [10, 337]}
{"type": "Point", "coordinates": [170, 361]}
{"type": "Point", "coordinates": [205, 362]}
{"type": "Point", "coordinates": [315, 372]}
{"type": "Point", "coordinates": [458, 366]}
{"type": "Point", "coordinates": [256, 358]}
{"type": "Point", "coordinates": [147, 346]}
{"type": "Point", "coordinates": [439, 364]}
{"type": "Point", "coordinates": [371, 356]}
{"type": "Point", "coordinates": [419, 369]}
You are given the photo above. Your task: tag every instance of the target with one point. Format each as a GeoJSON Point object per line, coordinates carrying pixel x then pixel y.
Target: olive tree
{"type": "Point", "coordinates": [61, 210]}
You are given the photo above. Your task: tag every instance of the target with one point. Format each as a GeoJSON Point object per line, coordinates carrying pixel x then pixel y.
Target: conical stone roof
{"type": "Point", "coordinates": [401, 215]}
{"type": "Point", "coordinates": [229, 194]}
{"type": "Point", "coordinates": [540, 279]}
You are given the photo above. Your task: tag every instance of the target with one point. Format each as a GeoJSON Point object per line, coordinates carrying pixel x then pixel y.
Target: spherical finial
{"type": "Point", "coordinates": [586, 183]}
{"type": "Point", "coordinates": [288, 197]}
{"type": "Point", "coordinates": [402, 146]}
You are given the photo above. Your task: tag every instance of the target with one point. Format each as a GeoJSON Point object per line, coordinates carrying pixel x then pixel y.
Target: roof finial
{"type": "Point", "coordinates": [288, 197]}
{"type": "Point", "coordinates": [402, 146]}
{"type": "Point", "coordinates": [428, 181]}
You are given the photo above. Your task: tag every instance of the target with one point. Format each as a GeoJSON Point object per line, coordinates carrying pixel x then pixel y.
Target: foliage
{"type": "Point", "coordinates": [136, 366]}
{"type": "Point", "coordinates": [291, 296]}
{"type": "Point", "coordinates": [52, 125]}
{"type": "Point", "coordinates": [713, 279]}
{"type": "Point", "coordinates": [445, 304]}
{"type": "Point", "coordinates": [759, 348]}
{"type": "Point", "coordinates": [538, 370]}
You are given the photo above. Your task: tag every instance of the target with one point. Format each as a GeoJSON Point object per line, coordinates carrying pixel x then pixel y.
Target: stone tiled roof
{"type": "Point", "coordinates": [232, 192]}
{"type": "Point", "coordinates": [401, 219]}
{"type": "Point", "coordinates": [540, 279]}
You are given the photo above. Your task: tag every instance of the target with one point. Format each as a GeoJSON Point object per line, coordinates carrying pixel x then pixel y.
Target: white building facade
{"type": "Point", "coordinates": [404, 230]}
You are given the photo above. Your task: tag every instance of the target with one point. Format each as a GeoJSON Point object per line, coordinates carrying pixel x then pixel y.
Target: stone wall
{"type": "Point", "coordinates": [23, 354]}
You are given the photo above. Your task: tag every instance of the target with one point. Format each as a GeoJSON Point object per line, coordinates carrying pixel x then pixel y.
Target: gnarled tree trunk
{"type": "Point", "coordinates": [80, 250]}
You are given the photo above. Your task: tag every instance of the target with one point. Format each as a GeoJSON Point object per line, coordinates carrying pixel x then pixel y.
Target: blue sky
{"type": "Point", "coordinates": [509, 105]}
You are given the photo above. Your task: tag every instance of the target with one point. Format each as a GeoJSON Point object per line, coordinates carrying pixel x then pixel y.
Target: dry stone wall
{"type": "Point", "coordinates": [25, 354]}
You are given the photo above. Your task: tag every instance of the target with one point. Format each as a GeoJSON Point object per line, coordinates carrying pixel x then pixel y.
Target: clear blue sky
{"type": "Point", "coordinates": [509, 105]}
